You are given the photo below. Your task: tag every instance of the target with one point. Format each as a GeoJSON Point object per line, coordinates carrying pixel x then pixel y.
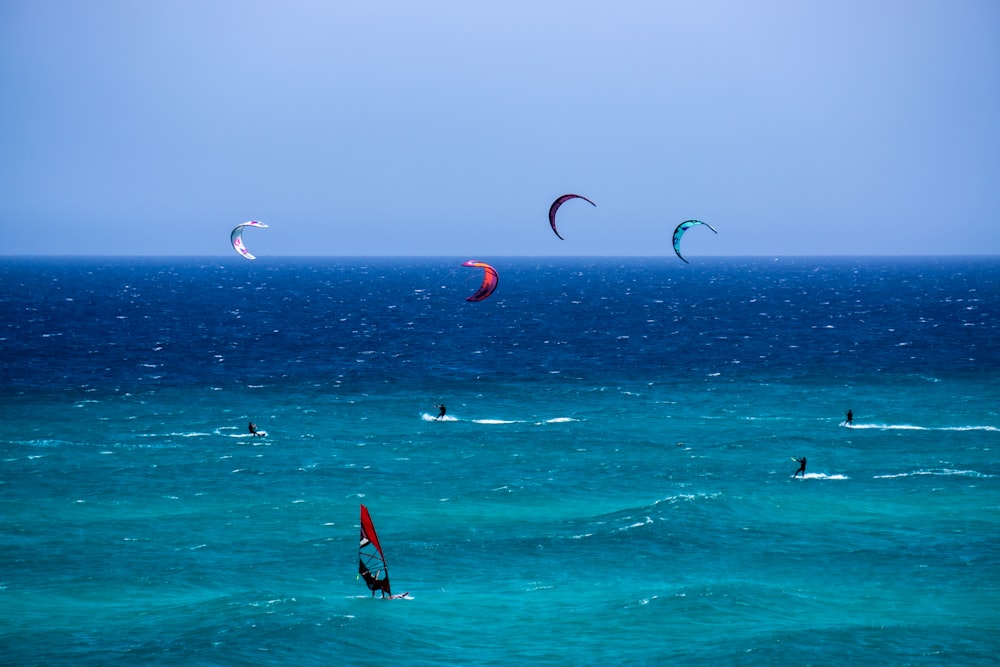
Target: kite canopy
{"type": "Point", "coordinates": [490, 280]}
{"type": "Point", "coordinates": [679, 232]}
{"type": "Point", "coordinates": [237, 238]}
{"type": "Point", "coordinates": [555, 207]}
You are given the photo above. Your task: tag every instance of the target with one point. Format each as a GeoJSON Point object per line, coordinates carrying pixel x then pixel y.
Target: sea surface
{"type": "Point", "coordinates": [612, 484]}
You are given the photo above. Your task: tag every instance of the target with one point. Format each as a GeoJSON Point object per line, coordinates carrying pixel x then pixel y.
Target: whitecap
{"type": "Point", "coordinates": [821, 475]}
{"type": "Point", "coordinates": [637, 524]}
{"type": "Point", "coordinates": [943, 472]}
{"type": "Point", "coordinates": [889, 427]}
{"type": "Point", "coordinates": [433, 418]}
{"type": "Point", "coordinates": [912, 427]}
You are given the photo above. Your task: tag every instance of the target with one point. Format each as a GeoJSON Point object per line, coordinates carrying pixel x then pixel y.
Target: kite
{"type": "Point", "coordinates": [559, 202]}
{"type": "Point", "coordinates": [679, 232]}
{"type": "Point", "coordinates": [237, 237]}
{"type": "Point", "coordinates": [490, 280]}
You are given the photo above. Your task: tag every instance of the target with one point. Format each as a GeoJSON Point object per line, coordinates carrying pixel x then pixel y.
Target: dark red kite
{"type": "Point", "coordinates": [559, 202]}
{"type": "Point", "coordinates": [490, 280]}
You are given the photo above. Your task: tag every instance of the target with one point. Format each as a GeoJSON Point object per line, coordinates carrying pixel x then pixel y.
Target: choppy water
{"type": "Point", "coordinates": [613, 484]}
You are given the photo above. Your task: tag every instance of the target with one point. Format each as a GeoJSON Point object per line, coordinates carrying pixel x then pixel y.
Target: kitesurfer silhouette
{"type": "Point", "coordinates": [442, 410]}
{"type": "Point", "coordinates": [802, 467]}
{"type": "Point", "coordinates": [850, 418]}
{"type": "Point", "coordinates": [253, 429]}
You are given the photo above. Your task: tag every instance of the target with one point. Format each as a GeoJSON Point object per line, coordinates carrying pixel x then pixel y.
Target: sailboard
{"type": "Point", "coordinates": [371, 560]}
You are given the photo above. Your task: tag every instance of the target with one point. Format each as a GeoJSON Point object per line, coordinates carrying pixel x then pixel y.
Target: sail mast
{"type": "Point", "coordinates": [371, 560]}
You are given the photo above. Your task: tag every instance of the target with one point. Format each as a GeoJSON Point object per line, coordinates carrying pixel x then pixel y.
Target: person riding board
{"type": "Point", "coordinates": [372, 581]}
{"type": "Point", "coordinates": [802, 467]}
{"type": "Point", "coordinates": [253, 430]}
{"type": "Point", "coordinates": [441, 412]}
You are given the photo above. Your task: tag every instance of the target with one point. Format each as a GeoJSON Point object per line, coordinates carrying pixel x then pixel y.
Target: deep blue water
{"type": "Point", "coordinates": [613, 484]}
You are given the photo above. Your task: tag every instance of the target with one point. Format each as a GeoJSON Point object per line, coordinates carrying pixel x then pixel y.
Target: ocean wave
{"type": "Point", "coordinates": [941, 472]}
{"type": "Point", "coordinates": [43, 442]}
{"type": "Point", "coordinates": [912, 427]}
{"type": "Point", "coordinates": [448, 418]}
{"type": "Point", "coordinates": [433, 418]}
{"type": "Point", "coordinates": [822, 475]}
{"type": "Point", "coordinates": [636, 524]}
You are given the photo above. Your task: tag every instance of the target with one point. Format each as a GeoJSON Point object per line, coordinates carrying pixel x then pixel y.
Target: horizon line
{"type": "Point", "coordinates": [227, 256]}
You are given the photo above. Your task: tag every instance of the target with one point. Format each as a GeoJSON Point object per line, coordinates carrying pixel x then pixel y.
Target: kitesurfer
{"type": "Point", "coordinates": [850, 418]}
{"type": "Point", "coordinates": [802, 467]}
{"type": "Point", "coordinates": [253, 430]}
{"type": "Point", "coordinates": [441, 412]}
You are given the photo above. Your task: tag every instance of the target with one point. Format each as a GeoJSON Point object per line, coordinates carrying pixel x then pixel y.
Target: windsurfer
{"type": "Point", "coordinates": [441, 412]}
{"type": "Point", "coordinates": [372, 581]}
{"type": "Point", "coordinates": [850, 418]}
{"type": "Point", "coordinates": [253, 430]}
{"type": "Point", "coordinates": [802, 467]}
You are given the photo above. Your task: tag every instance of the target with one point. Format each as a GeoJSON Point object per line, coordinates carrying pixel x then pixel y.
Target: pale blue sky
{"type": "Point", "coordinates": [805, 127]}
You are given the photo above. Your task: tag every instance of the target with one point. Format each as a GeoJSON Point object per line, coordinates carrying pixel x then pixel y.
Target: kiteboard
{"type": "Point", "coordinates": [434, 418]}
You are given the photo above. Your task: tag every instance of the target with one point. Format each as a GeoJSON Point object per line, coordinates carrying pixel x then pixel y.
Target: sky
{"type": "Point", "coordinates": [446, 128]}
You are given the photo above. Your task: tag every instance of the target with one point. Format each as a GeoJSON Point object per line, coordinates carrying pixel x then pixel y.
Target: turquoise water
{"type": "Point", "coordinates": [613, 483]}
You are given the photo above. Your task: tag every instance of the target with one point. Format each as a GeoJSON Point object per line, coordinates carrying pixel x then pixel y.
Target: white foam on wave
{"type": "Point", "coordinates": [822, 475]}
{"type": "Point", "coordinates": [43, 442]}
{"type": "Point", "coordinates": [448, 418]}
{"type": "Point", "coordinates": [941, 472]}
{"type": "Point", "coordinates": [687, 497]}
{"type": "Point", "coordinates": [433, 418]}
{"type": "Point", "coordinates": [256, 441]}
{"type": "Point", "coordinates": [913, 427]}
{"type": "Point", "coordinates": [637, 524]}
{"type": "Point", "coordinates": [968, 428]}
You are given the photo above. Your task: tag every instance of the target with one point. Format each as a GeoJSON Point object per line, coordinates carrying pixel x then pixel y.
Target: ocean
{"type": "Point", "coordinates": [612, 483]}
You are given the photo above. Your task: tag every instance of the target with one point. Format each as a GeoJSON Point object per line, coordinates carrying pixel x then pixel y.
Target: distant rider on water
{"type": "Point", "coordinates": [802, 467]}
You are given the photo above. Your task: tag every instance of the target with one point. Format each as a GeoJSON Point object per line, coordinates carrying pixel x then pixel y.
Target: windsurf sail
{"type": "Point", "coordinates": [237, 237]}
{"type": "Point", "coordinates": [371, 560]}
{"type": "Point", "coordinates": [679, 232]}
{"type": "Point", "coordinates": [555, 207]}
{"type": "Point", "coordinates": [490, 280]}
